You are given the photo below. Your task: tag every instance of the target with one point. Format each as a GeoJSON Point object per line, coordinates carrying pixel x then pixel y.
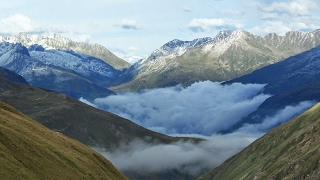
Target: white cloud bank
{"type": "Point", "coordinates": [185, 157]}
{"type": "Point", "coordinates": [202, 108]}
{"type": "Point", "coordinates": [195, 159]}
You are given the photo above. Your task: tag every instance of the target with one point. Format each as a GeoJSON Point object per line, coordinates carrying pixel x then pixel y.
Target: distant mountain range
{"type": "Point", "coordinates": [59, 42]}
{"type": "Point", "coordinates": [289, 151]}
{"type": "Point", "coordinates": [229, 55]}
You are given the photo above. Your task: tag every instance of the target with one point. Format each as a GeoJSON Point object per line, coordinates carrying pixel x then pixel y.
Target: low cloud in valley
{"type": "Point", "coordinates": [200, 110]}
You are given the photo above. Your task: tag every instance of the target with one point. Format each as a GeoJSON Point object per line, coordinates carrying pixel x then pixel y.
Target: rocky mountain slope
{"type": "Point", "coordinates": [290, 151]}
{"type": "Point", "coordinates": [229, 55]}
{"type": "Point", "coordinates": [287, 74]}
{"type": "Point", "coordinates": [290, 81]}
{"type": "Point", "coordinates": [67, 72]}
{"type": "Point", "coordinates": [28, 150]}
{"type": "Point", "coordinates": [59, 42]}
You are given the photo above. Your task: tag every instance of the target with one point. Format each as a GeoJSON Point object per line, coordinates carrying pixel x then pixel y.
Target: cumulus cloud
{"type": "Point", "coordinates": [300, 12]}
{"type": "Point", "coordinates": [202, 108]}
{"type": "Point", "coordinates": [185, 157]}
{"type": "Point", "coordinates": [129, 24]}
{"type": "Point", "coordinates": [207, 25]}
{"type": "Point", "coordinates": [17, 23]}
{"type": "Point", "coordinates": [20, 23]}
{"type": "Point", "coordinates": [282, 116]}
{"type": "Point", "coordinates": [295, 8]}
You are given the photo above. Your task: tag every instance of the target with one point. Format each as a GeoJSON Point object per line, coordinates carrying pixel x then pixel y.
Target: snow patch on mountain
{"type": "Point", "coordinates": [79, 63]}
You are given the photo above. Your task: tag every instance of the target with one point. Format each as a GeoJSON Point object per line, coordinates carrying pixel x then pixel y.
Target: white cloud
{"type": "Point", "coordinates": [129, 24]}
{"type": "Point", "coordinates": [278, 27]}
{"type": "Point", "coordinates": [128, 54]}
{"type": "Point", "coordinates": [202, 108]}
{"type": "Point", "coordinates": [17, 23]}
{"type": "Point", "coordinates": [282, 116]}
{"type": "Point", "coordinates": [87, 102]}
{"type": "Point", "coordinates": [296, 8]}
{"type": "Point", "coordinates": [207, 25]}
{"type": "Point", "coordinates": [281, 17]}
{"type": "Point", "coordinates": [186, 157]}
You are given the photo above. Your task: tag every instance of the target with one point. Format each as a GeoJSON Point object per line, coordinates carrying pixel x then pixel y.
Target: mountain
{"type": "Point", "coordinates": [75, 119]}
{"type": "Point", "coordinates": [59, 42]}
{"type": "Point", "coordinates": [290, 81]}
{"type": "Point", "coordinates": [290, 73]}
{"type": "Point", "coordinates": [12, 76]}
{"type": "Point", "coordinates": [91, 126]}
{"type": "Point", "coordinates": [74, 74]}
{"type": "Point", "coordinates": [28, 150]}
{"type": "Point", "coordinates": [229, 55]}
{"type": "Point", "coordinates": [289, 151]}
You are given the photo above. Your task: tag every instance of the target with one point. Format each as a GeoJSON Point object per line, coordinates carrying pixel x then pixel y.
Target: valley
{"type": "Point", "coordinates": [181, 111]}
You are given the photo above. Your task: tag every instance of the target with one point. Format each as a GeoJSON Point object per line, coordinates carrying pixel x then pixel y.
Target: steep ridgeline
{"type": "Point", "coordinates": [75, 119]}
{"type": "Point", "coordinates": [62, 43]}
{"type": "Point", "coordinates": [229, 55]}
{"type": "Point", "coordinates": [74, 74]}
{"type": "Point", "coordinates": [29, 150]}
{"type": "Point", "coordinates": [290, 81]}
{"type": "Point", "coordinates": [289, 151]}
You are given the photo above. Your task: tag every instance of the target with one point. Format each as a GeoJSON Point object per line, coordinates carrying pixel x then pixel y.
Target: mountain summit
{"type": "Point", "coordinates": [59, 42]}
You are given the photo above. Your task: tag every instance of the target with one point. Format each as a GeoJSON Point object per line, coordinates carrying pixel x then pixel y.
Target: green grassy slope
{"type": "Point", "coordinates": [290, 151]}
{"type": "Point", "coordinates": [28, 150]}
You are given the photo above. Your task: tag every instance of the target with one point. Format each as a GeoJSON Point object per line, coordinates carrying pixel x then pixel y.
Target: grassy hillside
{"type": "Point", "coordinates": [290, 151]}
{"type": "Point", "coordinates": [28, 150]}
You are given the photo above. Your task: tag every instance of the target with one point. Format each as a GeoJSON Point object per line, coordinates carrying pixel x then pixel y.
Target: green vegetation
{"type": "Point", "coordinates": [289, 151]}
{"type": "Point", "coordinates": [28, 150]}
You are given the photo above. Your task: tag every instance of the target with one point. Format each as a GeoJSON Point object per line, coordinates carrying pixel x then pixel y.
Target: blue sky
{"type": "Point", "coordinates": [137, 27]}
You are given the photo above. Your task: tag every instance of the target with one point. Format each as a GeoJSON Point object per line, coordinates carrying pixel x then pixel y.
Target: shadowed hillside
{"type": "Point", "coordinates": [29, 150]}
{"type": "Point", "coordinates": [73, 118]}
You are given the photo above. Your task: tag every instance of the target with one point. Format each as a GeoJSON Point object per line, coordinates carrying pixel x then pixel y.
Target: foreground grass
{"type": "Point", "coordinates": [28, 150]}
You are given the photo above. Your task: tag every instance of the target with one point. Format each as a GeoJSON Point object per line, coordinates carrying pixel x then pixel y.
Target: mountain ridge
{"type": "Point", "coordinates": [229, 55]}
{"type": "Point", "coordinates": [59, 42]}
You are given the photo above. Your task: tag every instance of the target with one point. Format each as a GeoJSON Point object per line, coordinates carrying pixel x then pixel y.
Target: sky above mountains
{"type": "Point", "coordinates": [134, 28]}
